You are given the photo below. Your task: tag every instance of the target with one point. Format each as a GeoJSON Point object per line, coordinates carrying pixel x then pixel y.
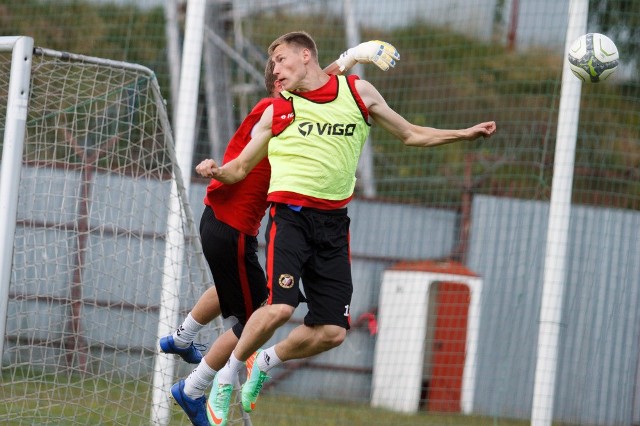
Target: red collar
{"type": "Point", "coordinates": [326, 93]}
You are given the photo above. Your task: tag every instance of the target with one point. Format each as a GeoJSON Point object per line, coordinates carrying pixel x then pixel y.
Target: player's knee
{"type": "Point", "coordinates": [333, 336]}
{"type": "Point", "coordinates": [280, 313]}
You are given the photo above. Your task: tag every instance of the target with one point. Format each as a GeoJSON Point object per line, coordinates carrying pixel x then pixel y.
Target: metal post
{"type": "Point", "coordinates": [558, 228]}
{"type": "Point", "coordinates": [365, 166]}
{"type": "Point", "coordinates": [175, 242]}
{"type": "Point", "coordinates": [13, 145]}
{"type": "Point", "coordinates": [172, 31]}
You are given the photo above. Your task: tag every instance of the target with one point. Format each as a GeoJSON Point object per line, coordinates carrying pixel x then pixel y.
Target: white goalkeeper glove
{"type": "Point", "coordinates": [381, 53]}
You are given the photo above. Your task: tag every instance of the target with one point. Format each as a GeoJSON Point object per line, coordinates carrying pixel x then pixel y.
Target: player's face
{"type": "Point", "coordinates": [289, 66]}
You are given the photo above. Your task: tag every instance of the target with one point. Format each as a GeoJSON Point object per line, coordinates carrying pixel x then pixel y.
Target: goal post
{"type": "Point", "coordinates": [557, 244]}
{"type": "Point", "coordinates": [14, 129]}
{"type": "Point", "coordinates": [101, 249]}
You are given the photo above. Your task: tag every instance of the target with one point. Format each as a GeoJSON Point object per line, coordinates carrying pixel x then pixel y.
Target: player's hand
{"type": "Point", "coordinates": [207, 168]}
{"type": "Point", "coordinates": [486, 130]}
{"type": "Point", "coordinates": [380, 53]}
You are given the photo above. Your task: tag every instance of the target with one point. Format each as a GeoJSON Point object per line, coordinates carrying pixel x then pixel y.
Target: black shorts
{"type": "Point", "coordinates": [312, 245]}
{"type": "Point", "coordinates": [238, 276]}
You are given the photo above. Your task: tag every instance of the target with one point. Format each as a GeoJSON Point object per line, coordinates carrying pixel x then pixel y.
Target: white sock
{"type": "Point", "coordinates": [186, 333]}
{"type": "Point", "coordinates": [267, 359]}
{"type": "Point", "coordinates": [229, 373]}
{"type": "Point", "coordinates": [199, 380]}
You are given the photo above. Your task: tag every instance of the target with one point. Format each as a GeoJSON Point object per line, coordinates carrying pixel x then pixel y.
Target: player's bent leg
{"type": "Point", "coordinates": [302, 342]}
{"type": "Point", "coordinates": [305, 341]}
{"type": "Point", "coordinates": [275, 315]}
{"type": "Point", "coordinates": [207, 308]}
{"type": "Point", "coordinates": [221, 349]}
{"type": "Point", "coordinates": [180, 342]}
{"type": "Point", "coordinates": [327, 337]}
{"type": "Point", "coordinates": [260, 328]}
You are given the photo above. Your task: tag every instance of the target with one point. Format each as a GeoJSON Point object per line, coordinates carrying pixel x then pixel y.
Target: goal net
{"type": "Point", "coordinates": [106, 255]}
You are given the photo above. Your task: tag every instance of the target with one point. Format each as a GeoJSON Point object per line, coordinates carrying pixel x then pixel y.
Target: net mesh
{"type": "Point", "coordinates": [480, 207]}
{"type": "Point", "coordinates": [91, 239]}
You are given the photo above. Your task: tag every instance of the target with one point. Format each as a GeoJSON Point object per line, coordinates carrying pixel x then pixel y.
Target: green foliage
{"type": "Point", "coordinates": [454, 81]}
{"type": "Point", "coordinates": [56, 24]}
{"type": "Point", "coordinates": [444, 80]}
{"type": "Point", "coordinates": [124, 33]}
{"type": "Point", "coordinates": [620, 21]}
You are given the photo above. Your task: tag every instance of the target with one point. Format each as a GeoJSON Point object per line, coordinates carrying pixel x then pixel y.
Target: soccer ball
{"type": "Point", "coordinates": [593, 57]}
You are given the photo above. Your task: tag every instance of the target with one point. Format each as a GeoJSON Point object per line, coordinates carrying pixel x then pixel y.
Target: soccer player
{"type": "Point", "coordinates": [228, 228]}
{"type": "Point", "coordinates": [313, 165]}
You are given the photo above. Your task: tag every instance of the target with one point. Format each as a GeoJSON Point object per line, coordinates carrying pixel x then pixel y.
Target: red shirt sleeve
{"type": "Point", "coordinates": [283, 115]}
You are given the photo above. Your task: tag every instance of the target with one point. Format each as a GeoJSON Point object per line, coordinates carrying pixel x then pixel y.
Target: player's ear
{"type": "Point", "coordinates": [306, 55]}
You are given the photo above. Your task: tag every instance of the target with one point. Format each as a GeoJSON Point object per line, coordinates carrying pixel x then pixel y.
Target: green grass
{"type": "Point", "coordinates": [285, 411]}
{"type": "Point", "coordinates": [30, 399]}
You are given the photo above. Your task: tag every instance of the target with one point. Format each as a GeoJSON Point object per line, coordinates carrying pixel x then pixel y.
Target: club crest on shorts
{"type": "Point", "coordinates": [285, 281]}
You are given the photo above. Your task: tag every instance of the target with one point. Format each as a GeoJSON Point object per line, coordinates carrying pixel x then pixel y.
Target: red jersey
{"type": "Point", "coordinates": [242, 205]}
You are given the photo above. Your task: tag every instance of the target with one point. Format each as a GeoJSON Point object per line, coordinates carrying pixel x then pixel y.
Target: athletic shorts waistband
{"type": "Point", "coordinates": [333, 212]}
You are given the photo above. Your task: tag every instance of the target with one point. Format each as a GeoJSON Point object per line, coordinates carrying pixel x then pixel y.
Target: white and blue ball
{"type": "Point", "coordinates": [593, 57]}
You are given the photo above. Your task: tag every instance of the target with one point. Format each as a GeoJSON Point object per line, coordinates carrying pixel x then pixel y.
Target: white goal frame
{"type": "Point", "coordinates": [21, 48]}
{"type": "Point", "coordinates": [22, 51]}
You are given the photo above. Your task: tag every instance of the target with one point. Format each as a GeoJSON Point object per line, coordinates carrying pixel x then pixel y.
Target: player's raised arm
{"type": "Point", "coordinates": [384, 55]}
{"type": "Point", "coordinates": [238, 168]}
{"type": "Point", "coordinates": [380, 53]}
{"type": "Point", "coordinates": [411, 134]}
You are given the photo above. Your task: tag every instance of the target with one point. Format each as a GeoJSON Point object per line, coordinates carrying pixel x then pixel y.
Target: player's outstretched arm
{"type": "Point", "coordinates": [411, 134]}
{"type": "Point", "coordinates": [238, 168]}
{"type": "Point", "coordinates": [380, 53]}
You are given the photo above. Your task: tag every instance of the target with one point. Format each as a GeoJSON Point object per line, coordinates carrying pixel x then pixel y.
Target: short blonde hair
{"type": "Point", "coordinates": [297, 38]}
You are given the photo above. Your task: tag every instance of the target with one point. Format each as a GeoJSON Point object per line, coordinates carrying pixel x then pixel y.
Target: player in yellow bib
{"type": "Point", "coordinates": [317, 156]}
{"type": "Point", "coordinates": [313, 165]}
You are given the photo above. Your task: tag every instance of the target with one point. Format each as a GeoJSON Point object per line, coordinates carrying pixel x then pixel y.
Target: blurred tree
{"type": "Point", "coordinates": [620, 21]}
